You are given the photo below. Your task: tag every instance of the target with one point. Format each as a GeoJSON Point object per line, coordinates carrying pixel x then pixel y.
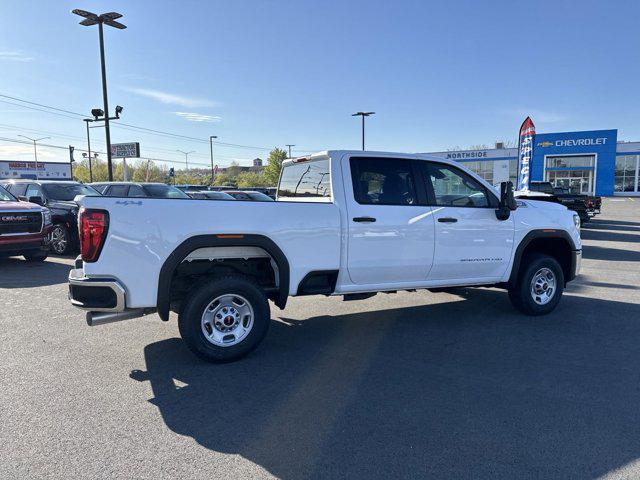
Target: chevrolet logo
{"type": "Point", "coordinates": [545, 144]}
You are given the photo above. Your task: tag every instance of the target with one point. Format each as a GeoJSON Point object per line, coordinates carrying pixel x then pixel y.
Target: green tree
{"type": "Point", "coordinates": [274, 165]}
{"type": "Point", "coordinates": [251, 179]}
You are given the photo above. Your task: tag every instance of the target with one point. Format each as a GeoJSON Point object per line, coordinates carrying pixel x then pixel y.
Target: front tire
{"type": "Point", "coordinates": [35, 257]}
{"type": "Point", "coordinates": [539, 286]}
{"type": "Point", "coordinates": [224, 319]}
{"type": "Point", "coordinates": [60, 240]}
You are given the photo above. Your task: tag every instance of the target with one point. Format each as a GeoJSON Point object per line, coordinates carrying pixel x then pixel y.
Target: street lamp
{"type": "Point", "coordinates": [107, 19]}
{"type": "Point", "coordinates": [186, 157]}
{"type": "Point", "coordinates": [35, 150]}
{"type": "Point", "coordinates": [362, 114]}
{"type": "Point", "coordinates": [211, 145]}
{"type": "Point", "coordinates": [290, 145]}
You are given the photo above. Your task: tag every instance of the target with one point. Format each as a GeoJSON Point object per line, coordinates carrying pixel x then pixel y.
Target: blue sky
{"type": "Point", "coordinates": [268, 73]}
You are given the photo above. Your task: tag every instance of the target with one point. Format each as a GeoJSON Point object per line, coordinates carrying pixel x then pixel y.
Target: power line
{"type": "Point", "coordinates": [67, 113]}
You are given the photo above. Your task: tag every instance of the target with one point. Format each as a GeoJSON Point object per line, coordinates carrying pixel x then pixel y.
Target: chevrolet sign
{"type": "Point", "coordinates": [574, 142]}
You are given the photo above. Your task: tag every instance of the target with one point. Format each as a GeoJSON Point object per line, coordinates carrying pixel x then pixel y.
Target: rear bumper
{"type": "Point", "coordinates": [576, 261]}
{"type": "Point", "coordinates": [96, 294]}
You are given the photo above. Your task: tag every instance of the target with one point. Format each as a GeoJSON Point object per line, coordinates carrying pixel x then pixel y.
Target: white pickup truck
{"type": "Point", "coordinates": [347, 223]}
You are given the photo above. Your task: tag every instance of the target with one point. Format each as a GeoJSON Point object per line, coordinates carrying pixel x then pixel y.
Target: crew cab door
{"type": "Point", "coordinates": [471, 243]}
{"type": "Point", "coordinates": [390, 227]}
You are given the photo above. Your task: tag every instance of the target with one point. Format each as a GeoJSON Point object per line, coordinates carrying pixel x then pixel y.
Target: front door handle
{"type": "Point", "coordinates": [364, 219]}
{"type": "Point", "coordinates": [447, 220]}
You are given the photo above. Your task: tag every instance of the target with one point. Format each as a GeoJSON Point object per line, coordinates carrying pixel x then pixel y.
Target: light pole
{"type": "Point", "coordinates": [290, 145]}
{"type": "Point", "coordinates": [35, 150]}
{"type": "Point", "coordinates": [108, 19]}
{"type": "Point", "coordinates": [211, 146]}
{"type": "Point", "coordinates": [362, 114]}
{"type": "Point", "coordinates": [95, 157]}
{"type": "Point", "coordinates": [186, 157]}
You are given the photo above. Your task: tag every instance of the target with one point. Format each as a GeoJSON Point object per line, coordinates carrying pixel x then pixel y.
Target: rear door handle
{"type": "Point", "coordinates": [364, 219]}
{"type": "Point", "coordinates": [447, 220]}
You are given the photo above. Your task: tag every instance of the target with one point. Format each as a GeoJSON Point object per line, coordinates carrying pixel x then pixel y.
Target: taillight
{"type": "Point", "coordinates": [93, 226]}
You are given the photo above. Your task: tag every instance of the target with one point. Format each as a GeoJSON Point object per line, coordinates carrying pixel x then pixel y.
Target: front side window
{"type": "Point", "coordinates": [383, 181]}
{"type": "Point", "coordinates": [33, 191]}
{"type": "Point", "coordinates": [305, 182]}
{"type": "Point", "coordinates": [454, 188]}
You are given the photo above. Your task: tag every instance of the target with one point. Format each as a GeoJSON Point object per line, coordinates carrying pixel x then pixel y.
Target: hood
{"type": "Point", "coordinates": [65, 204]}
{"type": "Point", "coordinates": [21, 206]}
{"type": "Point", "coordinates": [542, 204]}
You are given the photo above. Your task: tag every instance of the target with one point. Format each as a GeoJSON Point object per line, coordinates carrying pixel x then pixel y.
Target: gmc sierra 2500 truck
{"type": "Point", "coordinates": [348, 223]}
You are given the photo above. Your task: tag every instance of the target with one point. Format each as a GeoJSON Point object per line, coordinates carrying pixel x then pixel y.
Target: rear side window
{"type": "Point", "coordinates": [306, 181]}
{"type": "Point", "coordinates": [383, 181]}
{"type": "Point", "coordinates": [118, 190]}
{"type": "Point", "coordinates": [136, 191]}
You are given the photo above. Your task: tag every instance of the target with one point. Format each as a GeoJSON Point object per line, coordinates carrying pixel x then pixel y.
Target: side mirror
{"type": "Point", "coordinates": [507, 201]}
{"type": "Point", "coordinates": [36, 199]}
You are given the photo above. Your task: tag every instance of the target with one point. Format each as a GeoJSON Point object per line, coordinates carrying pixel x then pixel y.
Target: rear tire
{"type": "Point", "coordinates": [35, 257]}
{"type": "Point", "coordinates": [539, 286]}
{"type": "Point", "coordinates": [224, 319]}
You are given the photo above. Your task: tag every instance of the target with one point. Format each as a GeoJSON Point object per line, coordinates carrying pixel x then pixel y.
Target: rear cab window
{"type": "Point", "coordinates": [383, 181]}
{"type": "Point", "coordinates": [305, 181]}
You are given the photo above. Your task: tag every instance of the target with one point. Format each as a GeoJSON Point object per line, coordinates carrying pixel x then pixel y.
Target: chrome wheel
{"type": "Point", "coordinates": [543, 286]}
{"type": "Point", "coordinates": [227, 320]}
{"type": "Point", "coordinates": [59, 239]}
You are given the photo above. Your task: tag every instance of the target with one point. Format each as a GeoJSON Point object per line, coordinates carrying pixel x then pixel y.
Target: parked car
{"type": "Point", "coordinates": [347, 223]}
{"type": "Point", "coordinates": [191, 187]}
{"type": "Point", "coordinates": [24, 228]}
{"type": "Point", "coordinates": [133, 189]}
{"type": "Point", "coordinates": [209, 195]}
{"type": "Point", "coordinates": [58, 196]}
{"type": "Point", "coordinates": [249, 196]}
{"type": "Point", "coordinates": [581, 204]}
{"type": "Point", "coordinates": [221, 188]}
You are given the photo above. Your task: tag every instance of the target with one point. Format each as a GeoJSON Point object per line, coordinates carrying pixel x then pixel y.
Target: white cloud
{"type": "Point", "coordinates": [25, 153]}
{"type": "Point", "coordinates": [198, 117]}
{"type": "Point", "coordinates": [171, 98]}
{"type": "Point", "coordinates": [15, 56]}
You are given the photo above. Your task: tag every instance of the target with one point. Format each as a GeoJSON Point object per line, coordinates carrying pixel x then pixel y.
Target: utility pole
{"type": "Point", "coordinates": [362, 114]}
{"type": "Point", "coordinates": [290, 145]}
{"type": "Point", "coordinates": [35, 150]}
{"type": "Point", "coordinates": [109, 19]}
{"type": "Point", "coordinates": [211, 147]}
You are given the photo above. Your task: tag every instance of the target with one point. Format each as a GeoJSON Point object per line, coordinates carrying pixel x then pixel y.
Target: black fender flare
{"type": "Point", "coordinates": [534, 235]}
{"type": "Point", "coordinates": [220, 240]}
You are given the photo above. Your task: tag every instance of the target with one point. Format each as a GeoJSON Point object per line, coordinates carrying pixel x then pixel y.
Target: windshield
{"type": "Point", "coordinates": [6, 196]}
{"type": "Point", "coordinates": [66, 192]}
{"type": "Point", "coordinates": [164, 191]}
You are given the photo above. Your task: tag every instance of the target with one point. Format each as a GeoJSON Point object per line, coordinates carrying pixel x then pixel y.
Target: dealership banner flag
{"type": "Point", "coordinates": [525, 153]}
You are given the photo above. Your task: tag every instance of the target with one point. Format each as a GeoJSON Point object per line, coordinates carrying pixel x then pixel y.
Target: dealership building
{"type": "Point", "coordinates": [589, 162]}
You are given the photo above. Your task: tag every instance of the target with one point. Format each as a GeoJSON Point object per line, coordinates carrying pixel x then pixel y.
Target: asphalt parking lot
{"type": "Point", "coordinates": [398, 386]}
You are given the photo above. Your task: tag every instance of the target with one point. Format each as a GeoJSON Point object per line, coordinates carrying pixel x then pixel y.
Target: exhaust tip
{"type": "Point", "coordinates": [100, 318]}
